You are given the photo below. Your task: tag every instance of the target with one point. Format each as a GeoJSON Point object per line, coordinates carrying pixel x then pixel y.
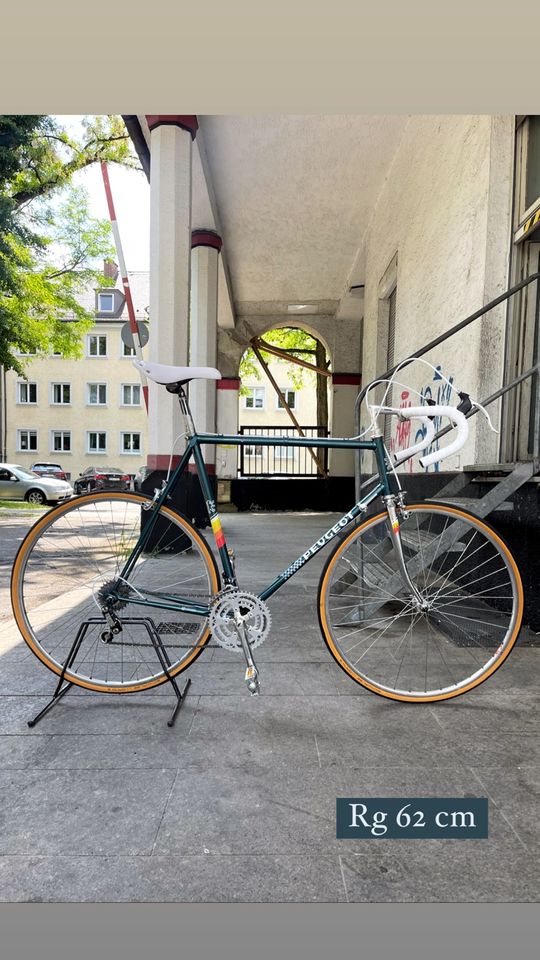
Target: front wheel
{"type": "Point", "coordinates": [71, 561]}
{"type": "Point", "coordinates": [393, 644]}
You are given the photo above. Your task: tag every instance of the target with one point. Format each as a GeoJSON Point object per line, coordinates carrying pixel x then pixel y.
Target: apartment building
{"type": "Point", "coordinates": [86, 411]}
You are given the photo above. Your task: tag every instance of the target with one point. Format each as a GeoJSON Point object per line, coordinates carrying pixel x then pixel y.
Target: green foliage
{"type": "Point", "coordinates": [301, 344]}
{"type": "Point", "coordinates": [49, 244]}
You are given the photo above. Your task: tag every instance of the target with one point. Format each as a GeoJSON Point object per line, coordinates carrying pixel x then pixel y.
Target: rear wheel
{"type": "Point", "coordinates": [465, 628]}
{"type": "Point", "coordinates": [71, 560]}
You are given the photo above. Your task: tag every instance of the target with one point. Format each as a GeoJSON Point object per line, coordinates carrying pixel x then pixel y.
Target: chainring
{"type": "Point", "coordinates": [222, 620]}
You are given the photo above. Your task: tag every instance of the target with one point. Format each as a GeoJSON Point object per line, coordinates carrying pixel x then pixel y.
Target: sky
{"type": "Point", "coordinates": [131, 196]}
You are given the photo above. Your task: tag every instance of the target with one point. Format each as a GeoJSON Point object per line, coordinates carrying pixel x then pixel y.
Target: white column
{"type": "Point", "coordinates": [203, 331]}
{"type": "Point", "coordinates": [345, 389]}
{"type": "Point", "coordinates": [227, 423]}
{"type": "Point", "coordinates": [170, 254]}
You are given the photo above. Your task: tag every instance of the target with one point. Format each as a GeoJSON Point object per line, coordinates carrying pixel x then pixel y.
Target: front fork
{"type": "Point", "coordinates": [393, 504]}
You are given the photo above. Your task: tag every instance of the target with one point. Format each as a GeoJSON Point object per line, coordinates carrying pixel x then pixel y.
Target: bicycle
{"type": "Point", "coordinates": [417, 603]}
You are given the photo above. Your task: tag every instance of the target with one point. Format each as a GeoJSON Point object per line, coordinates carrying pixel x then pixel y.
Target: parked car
{"type": "Point", "coordinates": [44, 469]}
{"type": "Point", "coordinates": [17, 483]}
{"type": "Point", "coordinates": [101, 478]}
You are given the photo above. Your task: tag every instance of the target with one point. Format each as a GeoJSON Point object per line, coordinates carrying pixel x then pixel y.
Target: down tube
{"type": "Point", "coordinates": [359, 508]}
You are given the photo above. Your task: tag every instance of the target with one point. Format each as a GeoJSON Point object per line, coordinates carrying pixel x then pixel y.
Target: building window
{"type": "Point", "coordinates": [97, 394]}
{"type": "Point", "coordinates": [254, 399]}
{"type": "Point", "coordinates": [27, 440]}
{"type": "Point", "coordinates": [252, 450]}
{"type": "Point", "coordinates": [26, 392]}
{"type": "Point", "coordinates": [60, 441]}
{"type": "Point", "coordinates": [127, 351]}
{"type": "Point", "coordinates": [30, 352]}
{"type": "Point", "coordinates": [96, 442]}
{"type": "Point", "coordinates": [130, 443]}
{"type": "Point", "coordinates": [106, 302]}
{"type": "Point", "coordinates": [284, 453]}
{"type": "Point", "coordinates": [61, 393]}
{"type": "Point", "coordinates": [97, 345]}
{"type": "Point", "coordinates": [290, 396]}
{"type": "Point", "coordinates": [131, 394]}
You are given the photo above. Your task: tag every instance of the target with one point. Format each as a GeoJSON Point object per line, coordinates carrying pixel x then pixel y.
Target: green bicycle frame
{"type": "Point", "coordinates": [376, 446]}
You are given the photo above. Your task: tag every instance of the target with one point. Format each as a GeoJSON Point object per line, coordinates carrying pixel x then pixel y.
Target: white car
{"type": "Point", "coordinates": [17, 483]}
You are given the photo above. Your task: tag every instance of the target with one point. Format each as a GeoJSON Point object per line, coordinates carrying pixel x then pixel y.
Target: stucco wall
{"type": "Point", "coordinates": [445, 210]}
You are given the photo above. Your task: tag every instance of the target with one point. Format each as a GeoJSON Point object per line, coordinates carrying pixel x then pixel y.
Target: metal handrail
{"type": "Point", "coordinates": [420, 353]}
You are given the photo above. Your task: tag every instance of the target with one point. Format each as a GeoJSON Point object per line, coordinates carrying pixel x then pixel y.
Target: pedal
{"type": "Point", "coordinates": [252, 679]}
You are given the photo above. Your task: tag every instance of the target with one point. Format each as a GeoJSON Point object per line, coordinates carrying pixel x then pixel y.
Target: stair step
{"type": "Point", "coordinates": [489, 467]}
{"type": "Point", "coordinates": [416, 540]}
{"type": "Point", "coordinates": [472, 504]}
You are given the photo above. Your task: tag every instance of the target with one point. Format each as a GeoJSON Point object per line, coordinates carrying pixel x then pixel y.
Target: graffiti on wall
{"type": "Point", "coordinates": [401, 438]}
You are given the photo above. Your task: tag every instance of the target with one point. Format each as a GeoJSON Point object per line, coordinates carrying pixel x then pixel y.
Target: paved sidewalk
{"type": "Point", "coordinates": [103, 802]}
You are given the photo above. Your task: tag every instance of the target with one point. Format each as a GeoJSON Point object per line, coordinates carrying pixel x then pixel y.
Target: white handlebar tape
{"type": "Point", "coordinates": [458, 420]}
{"type": "Point", "coordinates": [425, 442]}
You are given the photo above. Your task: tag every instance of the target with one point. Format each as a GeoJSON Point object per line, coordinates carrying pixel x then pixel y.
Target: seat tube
{"type": "Point", "coordinates": [215, 522]}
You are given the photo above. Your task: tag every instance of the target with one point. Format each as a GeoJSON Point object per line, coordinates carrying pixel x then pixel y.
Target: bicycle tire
{"type": "Point", "coordinates": [76, 549]}
{"type": "Point", "coordinates": [387, 654]}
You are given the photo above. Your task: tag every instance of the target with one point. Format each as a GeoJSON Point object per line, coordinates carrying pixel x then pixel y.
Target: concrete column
{"type": "Point", "coordinates": [227, 422]}
{"type": "Point", "coordinates": [170, 253]}
{"type": "Point", "coordinates": [205, 247]}
{"type": "Point", "coordinates": [345, 389]}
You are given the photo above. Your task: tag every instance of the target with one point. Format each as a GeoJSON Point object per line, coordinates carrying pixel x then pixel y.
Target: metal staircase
{"type": "Point", "coordinates": [496, 500]}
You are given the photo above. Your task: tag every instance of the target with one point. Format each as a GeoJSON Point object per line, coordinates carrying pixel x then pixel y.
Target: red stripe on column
{"type": "Point", "coordinates": [352, 379]}
{"type": "Point", "coordinates": [160, 461]}
{"type": "Point", "coordinates": [229, 383]}
{"type": "Point", "coordinates": [206, 238]}
{"type": "Point", "coordinates": [210, 468]}
{"type": "Point", "coordinates": [189, 123]}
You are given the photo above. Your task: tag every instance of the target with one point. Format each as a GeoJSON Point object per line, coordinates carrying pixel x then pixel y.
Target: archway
{"type": "Point", "coordinates": [285, 391]}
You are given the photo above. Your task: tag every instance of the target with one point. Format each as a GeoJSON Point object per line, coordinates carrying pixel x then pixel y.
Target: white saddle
{"type": "Point", "coordinates": [161, 373]}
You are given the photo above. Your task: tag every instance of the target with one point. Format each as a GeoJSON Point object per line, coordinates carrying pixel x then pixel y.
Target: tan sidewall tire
{"type": "Point", "coordinates": [327, 634]}
{"type": "Point", "coordinates": [23, 552]}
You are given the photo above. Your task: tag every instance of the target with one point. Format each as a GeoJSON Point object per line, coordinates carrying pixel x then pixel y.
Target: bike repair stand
{"type": "Point", "coordinates": [64, 685]}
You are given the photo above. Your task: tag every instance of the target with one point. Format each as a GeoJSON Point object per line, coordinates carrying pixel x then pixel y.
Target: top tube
{"type": "Point", "coordinates": [239, 440]}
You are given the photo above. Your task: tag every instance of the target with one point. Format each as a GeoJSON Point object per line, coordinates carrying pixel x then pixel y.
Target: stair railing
{"type": "Point", "coordinates": [359, 485]}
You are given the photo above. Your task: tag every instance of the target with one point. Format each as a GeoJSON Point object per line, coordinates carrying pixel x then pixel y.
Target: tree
{"type": "Point", "coordinates": [49, 244]}
{"type": "Point", "coordinates": [299, 344]}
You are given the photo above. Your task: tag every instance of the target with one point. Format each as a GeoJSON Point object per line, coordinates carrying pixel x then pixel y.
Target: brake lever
{"type": "Point", "coordinates": [465, 404]}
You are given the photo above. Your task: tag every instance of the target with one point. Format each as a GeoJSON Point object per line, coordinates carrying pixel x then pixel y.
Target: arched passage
{"type": "Point", "coordinates": [341, 340]}
{"type": "Point", "coordinates": [285, 391]}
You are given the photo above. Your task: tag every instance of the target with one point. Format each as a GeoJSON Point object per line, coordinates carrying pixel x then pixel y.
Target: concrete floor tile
{"type": "Point", "coordinates": [203, 879]}
{"type": "Point", "coordinates": [474, 713]}
{"type": "Point", "coordinates": [20, 751]}
{"type": "Point", "coordinates": [58, 812]}
{"type": "Point", "coordinates": [439, 871]}
{"type": "Point", "coordinates": [83, 713]}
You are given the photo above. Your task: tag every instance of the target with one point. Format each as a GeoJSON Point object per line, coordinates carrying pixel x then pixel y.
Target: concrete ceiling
{"type": "Point", "coordinates": [295, 195]}
{"type": "Point", "coordinates": [291, 196]}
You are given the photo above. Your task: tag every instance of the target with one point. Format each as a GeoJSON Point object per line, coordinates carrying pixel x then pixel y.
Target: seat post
{"type": "Point", "coordinates": [186, 411]}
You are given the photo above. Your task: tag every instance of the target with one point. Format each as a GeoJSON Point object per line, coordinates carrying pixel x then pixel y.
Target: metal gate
{"type": "Point", "coordinates": [262, 461]}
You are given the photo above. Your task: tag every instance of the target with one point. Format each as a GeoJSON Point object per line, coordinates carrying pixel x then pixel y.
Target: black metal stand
{"type": "Point", "coordinates": [64, 685]}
